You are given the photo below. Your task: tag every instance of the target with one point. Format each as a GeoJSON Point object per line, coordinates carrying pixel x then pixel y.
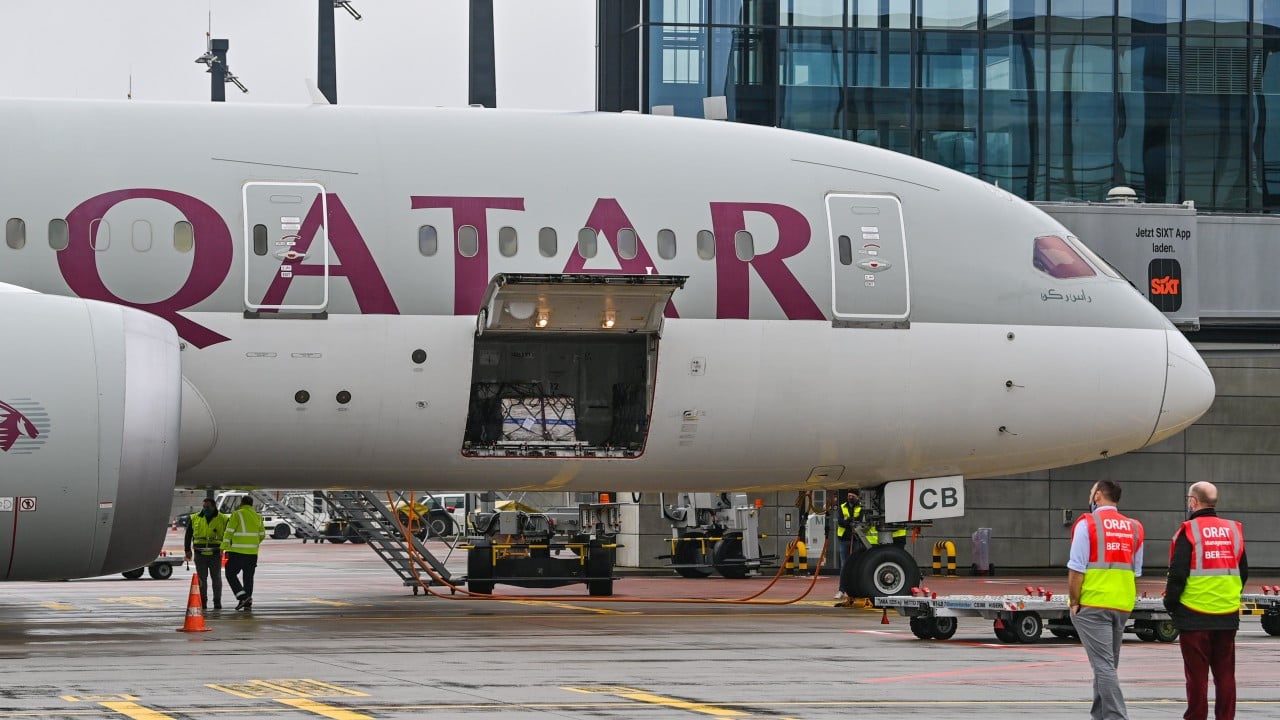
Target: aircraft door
{"type": "Point", "coordinates": [286, 247]}
{"type": "Point", "coordinates": [869, 286]}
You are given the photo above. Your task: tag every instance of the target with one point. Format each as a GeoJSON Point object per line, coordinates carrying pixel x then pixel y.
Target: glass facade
{"type": "Point", "coordinates": [1050, 99]}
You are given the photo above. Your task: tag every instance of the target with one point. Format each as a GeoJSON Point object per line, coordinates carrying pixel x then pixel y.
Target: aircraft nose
{"type": "Point", "coordinates": [1188, 388]}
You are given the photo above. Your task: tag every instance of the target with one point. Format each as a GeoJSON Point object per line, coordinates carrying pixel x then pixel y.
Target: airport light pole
{"type": "Point", "coordinates": [482, 80]}
{"type": "Point", "coordinates": [215, 56]}
{"type": "Point", "coordinates": [327, 47]}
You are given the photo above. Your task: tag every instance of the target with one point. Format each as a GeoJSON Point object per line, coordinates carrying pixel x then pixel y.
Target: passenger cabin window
{"type": "Point", "coordinates": [628, 244]}
{"type": "Point", "coordinates": [666, 244]}
{"type": "Point", "coordinates": [142, 236]}
{"type": "Point", "coordinates": [507, 241]}
{"type": "Point", "coordinates": [706, 244]}
{"type": "Point", "coordinates": [744, 246]}
{"type": "Point", "coordinates": [15, 233]}
{"type": "Point", "coordinates": [587, 243]}
{"type": "Point", "coordinates": [547, 244]}
{"type": "Point", "coordinates": [259, 239]}
{"type": "Point", "coordinates": [58, 235]}
{"type": "Point", "coordinates": [1054, 256]}
{"type": "Point", "coordinates": [428, 240]}
{"type": "Point", "coordinates": [468, 241]}
{"type": "Point", "coordinates": [184, 237]}
{"type": "Point", "coordinates": [99, 234]}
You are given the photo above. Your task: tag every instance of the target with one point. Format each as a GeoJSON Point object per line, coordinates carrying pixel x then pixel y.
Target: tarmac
{"type": "Point", "coordinates": [334, 633]}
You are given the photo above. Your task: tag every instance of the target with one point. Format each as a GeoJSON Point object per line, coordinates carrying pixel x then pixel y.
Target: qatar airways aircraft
{"type": "Point", "coordinates": [232, 295]}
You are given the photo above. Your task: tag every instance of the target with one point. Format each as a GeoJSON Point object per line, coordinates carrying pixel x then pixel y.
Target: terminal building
{"type": "Point", "coordinates": [1062, 102]}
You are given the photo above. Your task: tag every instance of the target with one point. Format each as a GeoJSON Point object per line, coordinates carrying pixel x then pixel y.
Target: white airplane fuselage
{"type": "Point", "coordinates": [777, 364]}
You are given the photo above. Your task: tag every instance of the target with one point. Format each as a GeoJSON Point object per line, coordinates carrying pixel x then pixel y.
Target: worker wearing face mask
{"type": "Point", "coordinates": [1102, 572]}
{"type": "Point", "coordinates": [203, 541]}
{"type": "Point", "coordinates": [1207, 571]}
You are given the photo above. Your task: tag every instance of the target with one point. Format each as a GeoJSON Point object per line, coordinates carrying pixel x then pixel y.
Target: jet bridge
{"type": "Point", "coordinates": [564, 365]}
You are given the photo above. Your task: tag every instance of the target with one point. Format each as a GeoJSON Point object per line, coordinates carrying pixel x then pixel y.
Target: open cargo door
{"type": "Point", "coordinates": [577, 303]}
{"type": "Point", "coordinates": [564, 365]}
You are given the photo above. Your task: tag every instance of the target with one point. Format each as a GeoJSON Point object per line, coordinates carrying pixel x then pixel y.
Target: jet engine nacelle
{"type": "Point", "coordinates": [90, 399]}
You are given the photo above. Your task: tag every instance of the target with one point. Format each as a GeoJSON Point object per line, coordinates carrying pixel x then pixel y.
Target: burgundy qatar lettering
{"type": "Point", "coordinates": [214, 254]}
{"type": "Point", "coordinates": [733, 289]}
{"type": "Point", "coordinates": [210, 265]}
{"type": "Point", "coordinates": [357, 264]}
{"type": "Point", "coordinates": [470, 274]}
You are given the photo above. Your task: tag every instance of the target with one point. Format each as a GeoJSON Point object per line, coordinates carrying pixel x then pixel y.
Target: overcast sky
{"type": "Point", "coordinates": [404, 52]}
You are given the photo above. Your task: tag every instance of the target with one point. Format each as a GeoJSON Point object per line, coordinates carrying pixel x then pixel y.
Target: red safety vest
{"type": "Point", "coordinates": [1113, 546]}
{"type": "Point", "coordinates": [1213, 584]}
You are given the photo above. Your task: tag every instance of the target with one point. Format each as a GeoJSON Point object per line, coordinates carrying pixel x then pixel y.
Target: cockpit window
{"type": "Point", "coordinates": [1054, 256]}
{"type": "Point", "coordinates": [1094, 257]}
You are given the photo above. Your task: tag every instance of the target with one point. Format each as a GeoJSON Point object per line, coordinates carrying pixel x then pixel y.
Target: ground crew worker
{"type": "Point", "coordinates": [1207, 571]}
{"type": "Point", "coordinates": [240, 542]}
{"type": "Point", "coordinates": [1102, 587]}
{"type": "Point", "coordinates": [850, 511]}
{"type": "Point", "coordinates": [204, 541]}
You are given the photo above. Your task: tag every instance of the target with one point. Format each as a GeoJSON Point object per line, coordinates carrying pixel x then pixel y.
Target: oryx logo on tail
{"type": "Point", "coordinates": [24, 426]}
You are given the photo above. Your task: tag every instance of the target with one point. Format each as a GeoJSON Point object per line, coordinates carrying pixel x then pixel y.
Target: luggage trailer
{"type": "Point", "coordinates": [1022, 618]}
{"type": "Point", "coordinates": [1266, 606]}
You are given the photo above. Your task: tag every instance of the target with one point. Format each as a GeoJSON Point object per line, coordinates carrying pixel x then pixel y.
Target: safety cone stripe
{"type": "Point", "coordinates": [194, 621]}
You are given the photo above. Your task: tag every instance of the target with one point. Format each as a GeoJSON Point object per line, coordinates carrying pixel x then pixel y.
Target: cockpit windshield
{"type": "Point", "coordinates": [1054, 256]}
{"type": "Point", "coordinates": [1094, 257]}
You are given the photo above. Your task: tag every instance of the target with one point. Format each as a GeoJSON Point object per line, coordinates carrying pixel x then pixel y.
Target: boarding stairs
{"type": "Point", "coordinates": [303, 526]}
{"type": "Point", "coordinates": [375, 521]}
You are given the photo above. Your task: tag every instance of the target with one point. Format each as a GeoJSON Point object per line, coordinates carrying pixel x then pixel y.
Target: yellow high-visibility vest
{"type": "Point", "coordinates": [206, 535]}
{"type": "Point", "coordinates": [1213, 585]}
{"type": "Point", "coordinates": [244, 533]}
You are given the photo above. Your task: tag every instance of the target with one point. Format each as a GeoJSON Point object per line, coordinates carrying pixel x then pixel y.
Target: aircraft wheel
{"type": "Point", "coordinates": [1271, 623]}
{"type": "Point", "coordinates": [944, 628]}
{"type": "Point", "coordinates": [726, 548]}
{"type": "Point", "coordinates": [885, 570]}
{"type": "Point", "coordinates": [1026, 627]}
{"type": "Point", "coordinates": [161, 572]}
{"type": "Point", "coordinates": [281, 532]}
{"type": "Point", "coordinates": [922, 627]}
{"type": "Point", "coordinates": [133, 574]}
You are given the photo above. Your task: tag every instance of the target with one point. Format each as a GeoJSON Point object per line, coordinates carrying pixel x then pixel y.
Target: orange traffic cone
{"type": "Point", "coordinates": [195, 610]}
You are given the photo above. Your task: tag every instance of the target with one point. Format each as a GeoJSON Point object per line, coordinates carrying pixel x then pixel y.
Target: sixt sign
{"type": "Point", "coordinates": [1164, 284]}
